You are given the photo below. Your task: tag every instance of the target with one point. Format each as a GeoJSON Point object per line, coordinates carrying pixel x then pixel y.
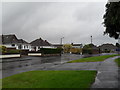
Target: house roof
{"type": "Point", "coordinates": [57, 45]}
{"type": "Point", "coordinates": [76, 44]}
{"type": "Point", "coordinates": [23, 41]}
{"type": "Point", "coordinates": [9, 39]}
{"type": "Point", "coordinates": [91, 46]}
{"type": "Point", "coordinates": [107, 46]}
{"type": "Point", "coordinates": [40, 42]}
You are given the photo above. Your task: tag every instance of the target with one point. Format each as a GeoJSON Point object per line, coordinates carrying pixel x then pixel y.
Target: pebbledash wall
{"type": "Point", "coordinates": [25, 46]}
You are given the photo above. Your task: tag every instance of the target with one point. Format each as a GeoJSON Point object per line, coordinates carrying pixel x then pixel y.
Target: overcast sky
{"type": "Point", "coordinates": [75, 21]}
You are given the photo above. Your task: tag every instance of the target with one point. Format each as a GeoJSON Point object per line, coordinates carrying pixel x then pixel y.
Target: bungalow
{"type": "Point", "coordinates": [12, 42]}
{"type": "Point", "coordinates": [107, 48]}
{"type": "Point", "coordinates": [90, 49]}
{"type": "Point", "coordinates": [76, 45]}
{"type": "Point", "coordinates": [76, 48]}
{"type": "Point", "coordinates": [40, 43]}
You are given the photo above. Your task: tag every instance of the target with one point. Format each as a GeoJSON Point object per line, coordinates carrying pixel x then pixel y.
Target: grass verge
{"type": "Point", "coordinates": [50, 79]}
{"type": "Point", "coordinates": [92, 59]}
{"type": "Point", "coordinates": [0, 84]}
{"type": "Point", "coordinates": [118, 61]}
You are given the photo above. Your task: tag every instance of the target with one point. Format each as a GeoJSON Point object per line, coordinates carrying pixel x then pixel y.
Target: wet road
{"type": "Point", "coordinates": [18, 65]}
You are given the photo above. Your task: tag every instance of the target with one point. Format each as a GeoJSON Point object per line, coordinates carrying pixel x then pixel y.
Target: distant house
{"type": "Point", "coordinates": [76, 45]}
{"type": "Point", "coordinates": [76, 48]}
{"type": "Point", "coordinates": [107, 48]}
{"type": "Point", "coordinates": [90, 49]}
{"type": "Point", "coordinates": [40, 43]}
{"type": "Point", "coordinates": [58, 45]}
{"type": "Point", "coordinates": [12, 42]}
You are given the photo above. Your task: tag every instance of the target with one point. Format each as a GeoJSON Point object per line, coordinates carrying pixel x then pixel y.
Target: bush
{"type": "Point", "coordinates": [50, 50]}
{"type": "Point", "coordinates": [12, 51]}
{"type": "Point", "coordinates": [87, 51]}
{"type": "Point", "coordinates": [2, 49]}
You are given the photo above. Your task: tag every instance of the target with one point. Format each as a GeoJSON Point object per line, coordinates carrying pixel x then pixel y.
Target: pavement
{"type": "Point", "coordinates": [107, 76]}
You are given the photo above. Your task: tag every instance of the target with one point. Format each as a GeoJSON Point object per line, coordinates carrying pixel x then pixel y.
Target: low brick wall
{"type": "Point", "coordinates": [10, 56]}
{"type": "Point", "coordinates": [34, 54]}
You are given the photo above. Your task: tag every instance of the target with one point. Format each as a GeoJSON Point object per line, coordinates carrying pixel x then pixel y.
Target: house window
{"type": "Point", "coordinates": [27, 46]}
{"type": "Point", "coordinates": [20, 46]}
{"type": "Point", "coordinates": [13, 44]}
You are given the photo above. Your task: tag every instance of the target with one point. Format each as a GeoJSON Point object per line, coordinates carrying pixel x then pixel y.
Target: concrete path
{"type": "Point", "coordinates": [107, 76]}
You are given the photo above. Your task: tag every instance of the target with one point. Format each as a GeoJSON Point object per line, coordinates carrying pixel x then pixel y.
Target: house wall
{"type": "Point", "coordinates": [49, 47]}
{"type": "Point", "coordinates": [76, 46]}
{"type": "Point", "coordinates": [10, 46]}
{"type": "Point", "coordinates": [36, 48]}
{"type": "Point", "coordinates": [24, 47]}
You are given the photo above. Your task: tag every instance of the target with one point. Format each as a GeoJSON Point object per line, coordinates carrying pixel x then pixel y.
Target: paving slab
{"type": "Point", "coordinates": [107, 76]}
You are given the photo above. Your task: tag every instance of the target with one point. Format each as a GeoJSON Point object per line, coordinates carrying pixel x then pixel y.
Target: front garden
{"type": "Point", "coordinates": [92, 59]}
{"type": "Point", "coordinates": [118, 61]}
{"type": "Point", "coordinates": [50, 79]}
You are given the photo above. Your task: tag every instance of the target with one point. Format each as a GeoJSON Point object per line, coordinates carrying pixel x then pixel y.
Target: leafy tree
{"type": "Point", "coordinates": [76, 50]}
{"type": "Point", "coordinates": [2, 49]}
{"type": "Point", "coordinates": [67, 47]}
{"type": "Point", "coordinates": [112, 19]}
{"type": "Point", "coordinates": [87, 49]}
{"type": "Point", "coordinates": [117, 45]}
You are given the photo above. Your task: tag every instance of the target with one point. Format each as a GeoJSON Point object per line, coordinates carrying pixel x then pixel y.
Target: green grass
{"type": "Point", "coordinates": [0, 84]}
{"type": "Point", "coordinates": [118, 61]}
{"type": "Point", "coordinates": [92, 59]}
{"type": "Point", "coordinates": [50, 79]}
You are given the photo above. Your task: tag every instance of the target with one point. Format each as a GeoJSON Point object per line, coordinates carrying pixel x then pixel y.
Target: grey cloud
{"type": "Point", "coordinates": [74, 21]}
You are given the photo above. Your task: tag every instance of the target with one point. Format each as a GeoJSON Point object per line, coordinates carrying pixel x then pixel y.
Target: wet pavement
{"type": "Point", "coordinates": [107, 76]}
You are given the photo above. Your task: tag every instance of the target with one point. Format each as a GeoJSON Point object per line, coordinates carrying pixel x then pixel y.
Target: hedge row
{"type": "Point", "coordinates": [12, 51]}
{"type": "Point", "coordinates": [50, 50]}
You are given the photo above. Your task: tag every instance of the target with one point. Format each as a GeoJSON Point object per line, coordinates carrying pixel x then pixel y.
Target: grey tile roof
{"type": "Point", "coordinates": [23, 41]}
{"type": "Point", "coordinates": [9, 39]}
{"type": "Point", "coordinates": [107, 46]}
{"type": "Point", "coordinates": [40, 42]}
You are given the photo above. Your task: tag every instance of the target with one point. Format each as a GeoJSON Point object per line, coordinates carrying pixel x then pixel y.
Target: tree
{"type": "Point", "coordinates": [87, 49]}
{"type": "Point", "coordinates": [117, 45]}
{"type": "Point", "coordinates": [2, 49]}
{"type": "Point", "coordinates": [112, 19]}
{"type": "Point", "coordinates": [67, 47]}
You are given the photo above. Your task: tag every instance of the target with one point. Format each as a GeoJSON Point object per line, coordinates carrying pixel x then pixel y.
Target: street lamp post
{"type": "Point", "coordinates": [61, 40]}
{"type": "Point", "coordinates": [91, 39]}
